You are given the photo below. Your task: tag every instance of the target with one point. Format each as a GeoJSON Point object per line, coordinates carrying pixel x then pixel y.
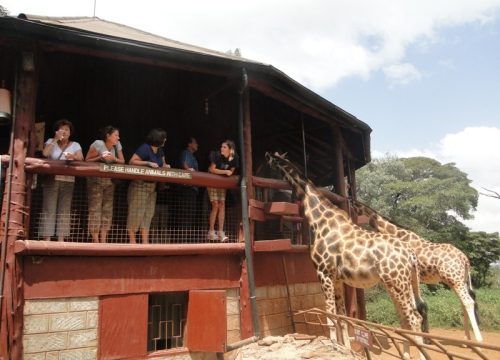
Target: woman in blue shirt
{"type": "Point", "coordinates": [142, 194]}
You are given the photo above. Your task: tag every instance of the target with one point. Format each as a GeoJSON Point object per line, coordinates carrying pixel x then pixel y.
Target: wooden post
{"type": "Point", "coordinates": [360, 293]}
{"type": "Point", "coordinates": [350, 293]}
{"type": "Point", "coordinates": [12, 301]}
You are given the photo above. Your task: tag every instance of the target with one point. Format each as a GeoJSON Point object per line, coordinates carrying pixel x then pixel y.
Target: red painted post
{"type": "Point", "coordinates": [14, 212]}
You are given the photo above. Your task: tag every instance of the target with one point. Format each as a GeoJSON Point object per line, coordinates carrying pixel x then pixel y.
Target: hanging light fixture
{"type": "Point", "coordinates": [5, 105]}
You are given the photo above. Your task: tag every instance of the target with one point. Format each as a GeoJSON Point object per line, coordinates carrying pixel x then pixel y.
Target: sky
{"type": "Point", "coordinates": [424, 74]}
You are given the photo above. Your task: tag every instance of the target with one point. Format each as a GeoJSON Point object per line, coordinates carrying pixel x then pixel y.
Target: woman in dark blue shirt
{"type": "Point", "coordinates": [142, 194]}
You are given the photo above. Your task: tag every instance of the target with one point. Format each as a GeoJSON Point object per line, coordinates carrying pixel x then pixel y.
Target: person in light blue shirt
{"type": "Point", "coordinates": [189, 194]}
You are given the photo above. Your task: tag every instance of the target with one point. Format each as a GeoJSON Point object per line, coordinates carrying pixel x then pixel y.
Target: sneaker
{"type": "Point", "coordinates": [223, 237]}
{"type": "Point", "coordinates": [212, 236]}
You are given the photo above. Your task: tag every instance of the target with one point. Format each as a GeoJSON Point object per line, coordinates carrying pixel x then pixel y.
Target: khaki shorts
{"type": "Point", "coordinates": [141, 204]}
{"type": "Point", "coordinates": [216, 194]}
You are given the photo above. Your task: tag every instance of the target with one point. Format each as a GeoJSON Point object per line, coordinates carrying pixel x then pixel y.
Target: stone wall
{"type": "Point", "coordinates": [274, 312]}
{"type": "Point", "coordinates": [233, 315]}
{"type": "Point", "coordinates": [60, 329]}
{"type": "Point", "coordinates": [67, 329]}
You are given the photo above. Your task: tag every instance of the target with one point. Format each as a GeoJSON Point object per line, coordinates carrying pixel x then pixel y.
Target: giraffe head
{"type": "Point", "coordinates": [290, 171]}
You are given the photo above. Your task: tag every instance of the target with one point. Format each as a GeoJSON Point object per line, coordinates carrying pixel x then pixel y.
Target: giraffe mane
{"type": "Point", "coordinates": [291, 172]}
{"type": "Point", "coordinates": [357, 202]}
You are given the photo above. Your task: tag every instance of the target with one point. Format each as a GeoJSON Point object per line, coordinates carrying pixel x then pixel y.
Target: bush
{"type": "Point", "coordinates": [445, 310]}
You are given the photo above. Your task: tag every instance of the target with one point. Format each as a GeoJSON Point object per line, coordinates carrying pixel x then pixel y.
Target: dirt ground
{"type": "Point", "coordinates": [296, 346]}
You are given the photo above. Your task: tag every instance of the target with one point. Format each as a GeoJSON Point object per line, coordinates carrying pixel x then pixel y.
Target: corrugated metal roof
{"type": "Point", "coordinates": [104, 27]}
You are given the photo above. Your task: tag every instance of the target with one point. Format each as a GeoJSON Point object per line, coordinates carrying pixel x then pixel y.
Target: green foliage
{"type": "Point", "coordinates": [482, 249]}
{"type": "Point", "coordinates": [419, 193]}
{"type": "Point", "coordinates": [445, 310]}
{"type": "Point", "coordinates": [429, 198]}
{"type": "Point", "coordinates": [494, 277]}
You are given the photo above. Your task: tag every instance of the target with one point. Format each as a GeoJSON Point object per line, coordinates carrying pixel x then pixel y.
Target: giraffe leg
{"type": "Point", "coordinates": [468, 305]}
{"type": "Point", "coordinates": [340, 302]}
{"type": "Point", "coordinates": [404, 301]}
{"type": "Point", "coordinates": [328, 285]}
{"type": "Point", "coordinates": [466, 323]}
{"type": "Point", "coordinates": [328, 288]}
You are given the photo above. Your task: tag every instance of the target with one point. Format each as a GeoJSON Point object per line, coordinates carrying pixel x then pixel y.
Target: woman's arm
{"type": "Point", "coordinates": [77, 155]}
{"type": "Point", "coordinates": [92, 154]}
{"type": "Point", "coordinates": [165, 165]}
{"type": "Point", "coordinates": [213, 169]}
{"type": "Point", "coordinates": [120, 159]}
{"type": "Point", "coordinates": [136, 160]}
{"type": "Point", "coordinates": [47, 149]}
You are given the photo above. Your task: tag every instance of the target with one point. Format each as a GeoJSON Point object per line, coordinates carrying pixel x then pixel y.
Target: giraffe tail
{"type": "Point", "coordinates": [472, 293]}
{"type": "Point", "coordinates": [421, 304]}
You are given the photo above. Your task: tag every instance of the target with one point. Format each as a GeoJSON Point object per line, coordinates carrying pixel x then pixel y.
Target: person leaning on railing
{"type": "Point", "coordinates": [58, 189]}
{"type": "Point", "coordinates": [223, 162]}
{"type": "Point", "coordinates": [107, 149]}
{"type": "Point", "coordinates": [188, 211]}
{"type": "Point", "coordinates": [142, 194]}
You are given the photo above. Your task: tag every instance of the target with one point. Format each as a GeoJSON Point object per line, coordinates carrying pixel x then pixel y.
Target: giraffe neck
{"type": "Point", "coordinates": [382, 225]}
{"type": "Point", "coordinates": [318, 209]}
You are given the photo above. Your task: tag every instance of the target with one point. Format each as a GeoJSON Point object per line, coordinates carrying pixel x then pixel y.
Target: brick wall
{"type": "Point", "coordinates": [60, 329]}
{"type": "Point", "coordinates": [273, 307]}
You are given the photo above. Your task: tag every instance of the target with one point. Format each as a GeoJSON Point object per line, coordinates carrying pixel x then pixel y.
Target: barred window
{"type": "Point", "coordinates": [167, 314]}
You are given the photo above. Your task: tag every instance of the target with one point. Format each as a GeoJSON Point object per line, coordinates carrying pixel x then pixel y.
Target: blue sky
{"type": "Point", "coordinates": [459, 87]}
{"type": "Point", "coordinates": [424, 74]}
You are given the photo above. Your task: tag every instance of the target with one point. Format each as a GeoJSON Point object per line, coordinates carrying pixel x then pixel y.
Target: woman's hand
{"type": "Point", "coordinates": [59, 135]}
{"type": "Point", "coordinates": [228, 172]}
{"type": "Point", "coordinates": [153, 164]}
{"type": "Point", "coordinates": [108, 157]}
{"type": "Point", "coordinates": [69, 156]}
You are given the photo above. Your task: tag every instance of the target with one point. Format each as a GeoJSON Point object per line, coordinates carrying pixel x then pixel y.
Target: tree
{"type": "Point", "coordinates": [3, 11]}
{"type": "Point", "coordinates": [421, 194]}
{"type": "Point", "coordinates": [483, 249]}
{"type": "Point", "coordinates": [429, 198]}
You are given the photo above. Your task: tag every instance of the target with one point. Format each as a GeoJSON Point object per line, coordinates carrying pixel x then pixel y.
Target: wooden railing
{"type": "Point", "coordinates": [385, 342]}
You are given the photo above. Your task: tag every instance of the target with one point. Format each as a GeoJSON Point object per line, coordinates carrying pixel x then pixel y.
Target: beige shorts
{"type": "Point", "coordinates": [141, 204]}
{"type": "Point", "coordinates": [216, 194]}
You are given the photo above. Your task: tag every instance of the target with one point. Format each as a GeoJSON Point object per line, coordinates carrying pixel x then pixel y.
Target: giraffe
{"type": "Point", "coordinates": [344, 253]}
{"type": "Point", "coordinates": [436, 263]}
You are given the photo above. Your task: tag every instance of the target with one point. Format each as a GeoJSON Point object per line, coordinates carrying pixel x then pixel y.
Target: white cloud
{"type": "Point", "coordinates": [401, 74]}
{"type": "Point", "coordinates": [304, 39]}
{"type": "Point", "coordinates": [475, 151]}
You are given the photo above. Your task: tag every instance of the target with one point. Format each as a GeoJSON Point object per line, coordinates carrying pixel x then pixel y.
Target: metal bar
{"type": "Point", "coordinates": [244, 206]}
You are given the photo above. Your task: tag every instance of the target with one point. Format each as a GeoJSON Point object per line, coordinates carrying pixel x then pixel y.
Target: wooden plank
{"type": "Point", "coordinates": [256, 214]}
{"type": "Point", "coordinates": [206, 327]}
{"type": "Point", "coordinates": [272, 245]}
{"type": "Point", "coordinates": [123, 336]}
{"type": "Point", "coordinates": [85, 168]}
{"type": "Point", "coordinates": [256, 203]}
{"type": "Point", "coordinates": [362, 219]}
{"type": "Point", "coordinates": [100, 276]}
{"type": "Point", "coordinates": [282, 208]}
